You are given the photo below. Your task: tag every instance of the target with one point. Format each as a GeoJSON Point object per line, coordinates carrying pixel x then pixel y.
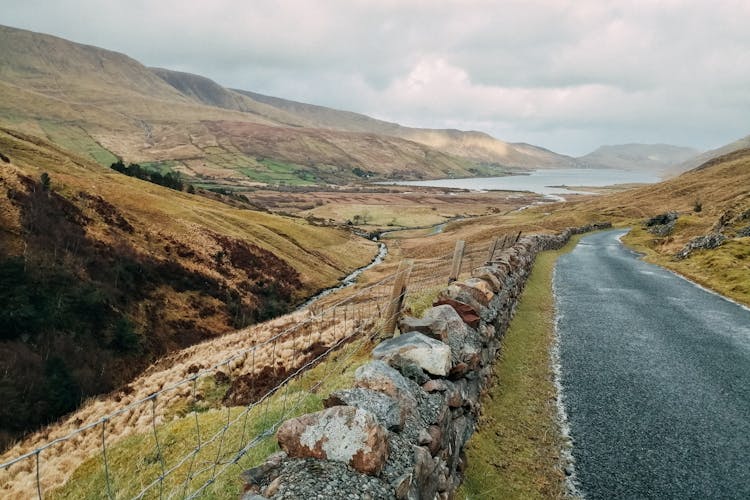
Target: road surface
{"type": "Point", "coordinates": [656, 378]}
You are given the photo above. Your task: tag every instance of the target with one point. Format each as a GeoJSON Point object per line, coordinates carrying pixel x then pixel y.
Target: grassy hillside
{"type": "Point", "coordinates": [476, 146]}
{"type": "Point", "coordinates": [103, 104]}
{"type": "Point", "coordinates": [102, 273]}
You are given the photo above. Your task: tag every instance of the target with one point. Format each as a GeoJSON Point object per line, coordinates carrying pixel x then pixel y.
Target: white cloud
{"type": "Point", "coordinates": [567, 74]}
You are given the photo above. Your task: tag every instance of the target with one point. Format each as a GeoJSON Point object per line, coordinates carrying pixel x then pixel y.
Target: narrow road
{"type": "Point", "coordinates": [656, 378]}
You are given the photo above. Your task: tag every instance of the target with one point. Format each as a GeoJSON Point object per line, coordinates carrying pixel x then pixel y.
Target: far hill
{"type": "Point", "coordinates": [655, 158]}
{"type": "Point", "coordinates": [106, 105]}
{"type": "Point", "coordinates": [472, 145]}
{"type": "Point", "coordinates": [715, 153]}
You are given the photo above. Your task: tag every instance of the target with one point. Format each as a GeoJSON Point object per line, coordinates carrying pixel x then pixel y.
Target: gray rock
{"type": "Point", "coordinates": [378, 376]}
{"type": "Point", "coordinates": [447, 326]}
{"type": "Point", "coordinates": [387, 410]}
{"type": "Point", "coordinates": [706, 242]}
{"type": "Point", "coordinates": [429, 354]}
{"type": "Point", "coordinates": [341, 433]}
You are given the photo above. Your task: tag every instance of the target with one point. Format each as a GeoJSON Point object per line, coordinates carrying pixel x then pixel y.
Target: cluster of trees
{"type": "Point", "coordinates": [170, 179]}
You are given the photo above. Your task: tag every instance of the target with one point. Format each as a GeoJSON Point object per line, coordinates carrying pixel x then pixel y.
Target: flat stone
{"type": "Point", "coordinates": [467, 313]}
{"type": "Point", "coordinates": [490, 275]}
{"type": "Point", "coordinates": [429, 354]}
{"type": "Point", "coordinates": [386, 409]}
{"type": "Point", "coordinates": [411, 324]}
{"type": "Point", "coordinates": [378, 376]}
{"type": "Point", "coordinates": [341, 433]}
{"type": "Point", "coordinates": [446, 323]}
{"type": "Point", "coordinates": [479, 289]}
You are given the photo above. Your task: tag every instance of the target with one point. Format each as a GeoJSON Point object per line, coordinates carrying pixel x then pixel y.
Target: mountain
{"type": "Point", "coordinates": [715, 153]}
{"type": "Point", "coordinates": [472, 145]}
{"type": "Point", "coordinates": [103, 273]}
{"type": "Point", "coordinates": [105, 105]}
{"type": "Point", "coordinates": [656, 158]}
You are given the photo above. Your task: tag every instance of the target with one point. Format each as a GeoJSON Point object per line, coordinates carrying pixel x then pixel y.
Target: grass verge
{"type": "Point", "coordinates": [515, 452]}
{"type": "Point", "coordinates": [724, 270]}
{"type": "Point", "coordinates": [139, 460]}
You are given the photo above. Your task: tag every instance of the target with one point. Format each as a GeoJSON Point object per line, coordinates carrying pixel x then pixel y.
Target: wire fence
{"type": "Point", "coordinates": [181, 439]}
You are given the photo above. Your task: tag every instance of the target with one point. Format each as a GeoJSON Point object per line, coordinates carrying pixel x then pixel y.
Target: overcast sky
{"type": "Point", "coordinates": [566, 75]}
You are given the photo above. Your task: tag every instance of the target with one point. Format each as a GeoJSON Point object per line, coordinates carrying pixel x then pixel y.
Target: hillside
{"type": "Point", "coordinates": [105, 105]}
{"type": "Point", "coordinates": [702, 158]}
{"type": "Point", "coordinates": [476, 146]}
{"type": "Point", "coordinates": [103, 273]}
{"type": "Point", "coordinates": [656, 158]}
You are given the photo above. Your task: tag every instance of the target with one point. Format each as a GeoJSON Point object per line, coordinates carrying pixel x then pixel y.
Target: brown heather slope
{"type": "Point", "coordinates": [103, 273]}
{"type": "Point", "coordinates": [472, 145]}
{"type": "Point", "coordinates": [104, 104]}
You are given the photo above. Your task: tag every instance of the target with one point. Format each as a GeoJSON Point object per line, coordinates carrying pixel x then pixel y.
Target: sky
{"type": "Point", "coordinates": [568, 75]}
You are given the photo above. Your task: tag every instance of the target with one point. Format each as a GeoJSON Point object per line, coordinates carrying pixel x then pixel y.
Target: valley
{"type": "Point", "coordinates": [161, 236]}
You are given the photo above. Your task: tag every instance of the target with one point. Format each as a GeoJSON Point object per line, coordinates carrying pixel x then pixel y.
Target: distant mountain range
{"type": "Point", "coordinates": [105, 105]}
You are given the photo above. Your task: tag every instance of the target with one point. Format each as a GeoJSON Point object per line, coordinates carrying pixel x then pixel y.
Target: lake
{"type": "Point", "coordinates": [542, 181]}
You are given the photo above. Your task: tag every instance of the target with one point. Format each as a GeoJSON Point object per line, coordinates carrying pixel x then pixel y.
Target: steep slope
{"type": "Point", "coordinates": [715, 153]}
{"type": "Point", "coordinates": [655, 158]}
{"type": "Point", "coordinates": [104, 104]}
{"type": "Point", "coordinates": [102, 273]}
{"type": "Point", "coordinates": [476, 146]}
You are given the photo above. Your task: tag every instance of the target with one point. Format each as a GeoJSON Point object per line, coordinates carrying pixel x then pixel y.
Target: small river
{"type": "Point", "coordinates": [547, 182]}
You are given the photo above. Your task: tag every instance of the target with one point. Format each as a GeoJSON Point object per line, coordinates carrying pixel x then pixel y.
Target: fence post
{"type": "Point", "coordinates": [493, 247]}
{"type": "Point", "coordinates": [397, 297]}
{"type": "Point", "coordinates": [458, 255]}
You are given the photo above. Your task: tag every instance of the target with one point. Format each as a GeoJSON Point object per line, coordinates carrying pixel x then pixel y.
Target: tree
{"type": "Point", "coordinates": [45, 179]}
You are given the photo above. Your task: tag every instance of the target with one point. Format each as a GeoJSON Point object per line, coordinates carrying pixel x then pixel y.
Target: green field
{"type": "Point", "coordinates": [77, 140]}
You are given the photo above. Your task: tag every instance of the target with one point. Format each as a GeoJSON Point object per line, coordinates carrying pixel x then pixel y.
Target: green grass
{"type": "Point", "coordinates": [724, 269]}
{"type": "Point", "coordinates": [515, 452]}
{"type": "Point", "coordinates": [77, 140]}
{"type": "Point", "coordinates": [135, 461]}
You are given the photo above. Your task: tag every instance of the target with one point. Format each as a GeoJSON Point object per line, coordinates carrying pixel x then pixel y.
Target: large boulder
{"type": "Point", "coordinates": [432, 356]}
{"type": "Point", "coordinates": [446, 325]}
{"type": "Point", "coordinates": [341, 433]}
{"type": "Point", "coordinates": [386, 409]}
{"type": "Point", "coordinates": [378, 376]}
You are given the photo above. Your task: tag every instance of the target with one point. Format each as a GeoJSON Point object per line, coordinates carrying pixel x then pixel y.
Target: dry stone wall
{"type": "Point", "coordinates": [400, 432]}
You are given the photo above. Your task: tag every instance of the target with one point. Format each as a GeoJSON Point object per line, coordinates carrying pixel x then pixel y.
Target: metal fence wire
{"type": "Point", "coordinates": [181, 439]}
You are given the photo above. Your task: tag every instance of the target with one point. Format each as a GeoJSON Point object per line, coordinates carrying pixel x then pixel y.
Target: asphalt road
{"type": "Point", "coordinates": [656, 378]}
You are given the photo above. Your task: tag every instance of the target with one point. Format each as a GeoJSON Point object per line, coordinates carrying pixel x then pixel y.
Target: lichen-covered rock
{"type": "Point", "coordinates": [490, 275]}
{"type": "Point", "coordinates": [341, 433]}
{"type": "Point", "coordinates": [378, 376]}
{"type": "Point", "coordinates": [433, 356]}
{"type": "Point", "coordinates": [412, 324]}
{"type": "Point", "coordinates": [456, 293]}
{"type": "Point", "coordinates": [479, 289]}
{"type": "Point", "coordinates": [706, 242]}
{"type": "Point", "coordinates": [386, 409]}
{"type": "Point", "coordinates": [444, 322]}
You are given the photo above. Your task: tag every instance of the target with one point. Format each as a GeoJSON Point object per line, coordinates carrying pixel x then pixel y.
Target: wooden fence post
{"type": "Point", "coordinates": [397, 297]}
{"type": "Point", "coordinates": [493, 247]}
{"type": "Point", "coordinates": [458, 255]}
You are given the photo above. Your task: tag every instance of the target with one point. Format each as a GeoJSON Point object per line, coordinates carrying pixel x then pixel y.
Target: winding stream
{"type": "Point", "coordinates": [350, 279]}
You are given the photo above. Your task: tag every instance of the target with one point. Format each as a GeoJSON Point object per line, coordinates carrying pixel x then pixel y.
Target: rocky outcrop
{"type": "Point", "coordinates": [709, 241]}
{"type": "Point", "coordinates": [420, 397]}
{"type": "Point", "coordinates": [663, 224]}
